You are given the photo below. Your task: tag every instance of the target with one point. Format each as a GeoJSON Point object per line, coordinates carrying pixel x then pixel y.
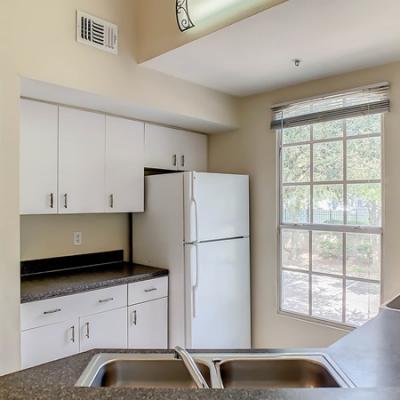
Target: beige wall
{"type": "Point", "coordinates": [45, 236]}
{"type": "Point", "coordinates": [252, 150]}
{"type": "Point", "coordinates": [37, 41]}
{"type": "Point", "coordinates": [158, 32]}
{"type": "Point", "coordinates": [43, 47]}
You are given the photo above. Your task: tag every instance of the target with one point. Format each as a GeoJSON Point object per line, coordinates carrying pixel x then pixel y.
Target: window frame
{"type": "Point", "coordinates": [341, 228]}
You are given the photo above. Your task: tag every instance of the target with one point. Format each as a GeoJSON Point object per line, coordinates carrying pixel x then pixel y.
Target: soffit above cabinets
{"type": "Point", "coordinates": [49, 92]}
{"type": "Point", "coordinates": [256, 54]}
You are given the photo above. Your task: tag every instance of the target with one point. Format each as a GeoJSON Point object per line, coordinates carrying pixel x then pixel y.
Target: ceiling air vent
{"type": "Point", "coordinates": [96, 32]}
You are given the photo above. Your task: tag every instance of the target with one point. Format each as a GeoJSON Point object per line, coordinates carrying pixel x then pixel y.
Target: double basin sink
{"type": "Point", "coordinates": [213, 370]}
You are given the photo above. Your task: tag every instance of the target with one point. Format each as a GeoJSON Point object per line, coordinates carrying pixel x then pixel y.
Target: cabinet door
{"type": "Point", "coordinates": [161, 147]}
{"type": "Point", "coordinates": [81, 161]}
{"type": "Point", "coordinates": [192, 152]}
{"type": "Point", "coordinates": [48, 343]}
{"type": "Point", "coordinates": [124, 165]}
{"type": "Point", "coordinates": [38, 157]}
{"type": "Point", "coordinates": [106, 330]}
{"type": "Point", "coordinates": [148, 325]}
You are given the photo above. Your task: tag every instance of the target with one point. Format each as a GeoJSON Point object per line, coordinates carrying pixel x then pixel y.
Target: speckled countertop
{"type": "Point", "coordinates": [369, 356]}
{"type": "Point", "coordinates": [56, 380]}
{"type": "Point", "coordinates": [62, 283]}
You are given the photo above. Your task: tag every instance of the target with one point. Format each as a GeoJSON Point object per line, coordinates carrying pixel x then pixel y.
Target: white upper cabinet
{"type": "Point", "coordinates": [173, 149]}
{"type": "Point", "coordinates": [192, 152]}
{"type": "Point", "coordinates": [124, 173]}
{"type": "Point", "coordinates": [74, 161]}
{"type": "Point", "coordinates": [161, 147]}
{"type": "Point", "coordinates": [81, 161]}
{"type": "Point", "coordinates": [38, 157]}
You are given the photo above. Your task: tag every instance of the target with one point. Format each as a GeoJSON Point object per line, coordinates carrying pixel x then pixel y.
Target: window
{"type": "Point", "coordinates": [331, 214]}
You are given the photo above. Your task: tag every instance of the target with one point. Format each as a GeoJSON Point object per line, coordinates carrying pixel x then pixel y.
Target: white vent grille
{"type": "Point", "coordinates": [96, 32]}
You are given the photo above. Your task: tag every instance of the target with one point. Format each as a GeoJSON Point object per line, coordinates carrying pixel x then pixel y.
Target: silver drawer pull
{"type": "Point", "coordinates": [150, 290]}
{"type": "Point", "coordinates": [52, 311]}
{"type": "Point", "coordinates": [106, 300]}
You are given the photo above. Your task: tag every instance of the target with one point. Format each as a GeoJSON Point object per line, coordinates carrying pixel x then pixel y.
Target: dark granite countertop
{"type": "Point", "coordinates": [370, 355]}
{"type": "Point", "coordinates": [56, 380]}
{"type": "Point", "coordinates": [66, 282]}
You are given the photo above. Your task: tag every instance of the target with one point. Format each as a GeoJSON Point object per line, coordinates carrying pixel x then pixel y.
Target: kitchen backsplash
{"type": "Point", "coordinates": [44, 236]}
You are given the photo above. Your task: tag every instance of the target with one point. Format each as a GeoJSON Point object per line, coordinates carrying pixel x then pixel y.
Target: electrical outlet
{"type": "Point", "coordinates": [77, 238]}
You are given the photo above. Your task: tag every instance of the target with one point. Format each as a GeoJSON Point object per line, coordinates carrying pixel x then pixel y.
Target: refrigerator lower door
{"type": "Point", "coordinates": [216, 206]}
{"type": "Point", "coordinates": [217, 276]}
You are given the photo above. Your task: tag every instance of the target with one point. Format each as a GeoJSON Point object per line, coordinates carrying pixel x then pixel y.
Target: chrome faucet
{"type": "Point", "coordinates": [191, 367]}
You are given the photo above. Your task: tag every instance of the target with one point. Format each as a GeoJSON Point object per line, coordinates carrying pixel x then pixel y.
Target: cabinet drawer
{"type": "Point", "coordinates": [46, 312]}
{"type": "Point", "coordinates": [151, 289]}
{"type": "Point", "coordinates": [59, 309]}
{"type": "Point", "coordinates": [100, 300]}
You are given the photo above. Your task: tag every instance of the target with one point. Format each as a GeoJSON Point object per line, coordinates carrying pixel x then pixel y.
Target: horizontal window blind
{"type": "Point", "coordinates": [372, 99]}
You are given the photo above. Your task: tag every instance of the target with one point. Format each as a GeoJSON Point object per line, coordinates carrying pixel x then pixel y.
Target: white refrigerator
{"type": "Point", "coordinates": [197, 226]}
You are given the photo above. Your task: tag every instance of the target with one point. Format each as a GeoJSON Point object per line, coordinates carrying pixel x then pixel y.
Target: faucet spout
{"type": "Point", "coordinates": [191, 367]}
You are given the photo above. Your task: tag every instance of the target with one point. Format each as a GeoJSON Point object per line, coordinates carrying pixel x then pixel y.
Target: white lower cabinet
{"type": "Point", "coordinates": [63, 326]}
{"type": "Point", "coordinates": [104, 330]}
{"type": "Point", "coordinates": [148, 325]}
{"type": "Point", "coordinates": [48, 343]}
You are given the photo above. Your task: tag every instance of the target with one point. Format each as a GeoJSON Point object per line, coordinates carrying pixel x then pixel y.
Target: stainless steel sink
{"type": "Point", "coordinates": [140, 371]}
{"type": "Point", "coordinates": [220, 370]}
{"type": "Point", "coordinates": [278, 372]}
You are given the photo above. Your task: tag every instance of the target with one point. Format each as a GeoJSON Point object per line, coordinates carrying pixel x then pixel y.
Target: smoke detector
{"type": "Point", "coordinates": [96, 32]}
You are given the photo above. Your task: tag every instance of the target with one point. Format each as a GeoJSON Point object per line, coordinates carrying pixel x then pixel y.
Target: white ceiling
{"type": "Point", "coordinates": [254, 55]}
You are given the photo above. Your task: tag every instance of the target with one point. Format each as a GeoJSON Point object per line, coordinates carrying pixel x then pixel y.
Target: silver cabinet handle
{"type": "Point", "coordinates": [51, 200]}
{"type": "Point", "coordinates": [73, 334]}
{"type": "Point", "coordinates": [106, 300]}
{"type": "Point", "coordinates": [52, 311]}
{"type": "Point", "coordinates": [182, 160]}
{"type": "Point", "coordinates": [174, 160]}
{"type": "Point", "coordinates": [65, 200]}
{"type": "Point", "coordinates": [150, 290]}
{"type": "Point", "coordinates": [134, 317]}
{"type": "Point", "coordinates": [111, 201]}
{"type": "Point", "coordinates": [87, 330]}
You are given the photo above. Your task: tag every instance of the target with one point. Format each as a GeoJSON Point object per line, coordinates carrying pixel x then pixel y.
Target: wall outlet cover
{"type": "Point", "coordinates": [77, 239]}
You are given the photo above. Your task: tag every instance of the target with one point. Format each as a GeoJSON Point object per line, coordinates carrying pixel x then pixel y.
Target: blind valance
{"type": "Point", "coordinates": [361, 101]}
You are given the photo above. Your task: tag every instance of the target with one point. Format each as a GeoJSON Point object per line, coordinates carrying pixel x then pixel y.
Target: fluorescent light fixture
{"type": "Point", "coordinates": [183, 16]}
{"type": "Point", "coordinates": [205, 13]}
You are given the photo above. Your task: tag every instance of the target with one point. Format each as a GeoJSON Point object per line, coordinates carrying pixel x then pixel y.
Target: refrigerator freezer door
{"type": "Point", "coordinates": [217, 206]}
{"type": "Point", "coordinates": [218, 295]}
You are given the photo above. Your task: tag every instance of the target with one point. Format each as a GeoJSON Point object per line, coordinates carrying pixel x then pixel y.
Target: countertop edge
{"type": "Point", "coordinates": [94, 286]}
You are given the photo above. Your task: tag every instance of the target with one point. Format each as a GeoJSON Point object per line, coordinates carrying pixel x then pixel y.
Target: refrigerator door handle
{"type": "Point", "coordinates": [194, 278]}
{"type": "Point", "coordinates": [193, 217]}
